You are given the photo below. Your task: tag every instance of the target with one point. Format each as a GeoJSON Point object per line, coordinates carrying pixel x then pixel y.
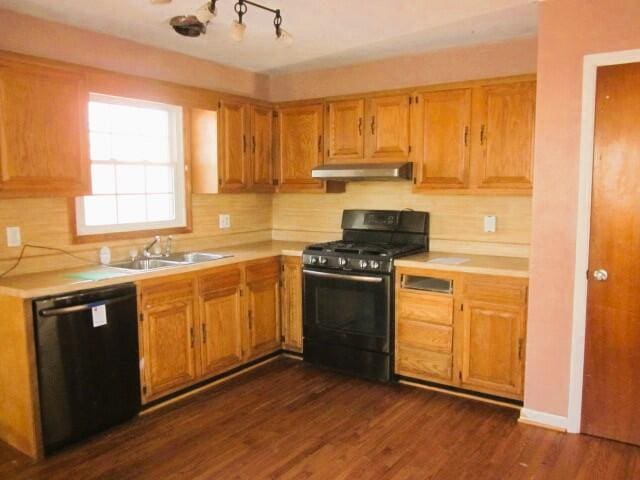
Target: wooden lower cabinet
{"type": "Point", "coordinates": [195, 326]}
{"type": "Point", "coordinates": [472, 337]}
{"type": "Point", "coordinates": [291, 304]}
{"type": "Point", "coordinates": [167, 332]}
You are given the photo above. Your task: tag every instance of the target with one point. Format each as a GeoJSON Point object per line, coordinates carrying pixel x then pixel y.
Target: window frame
{"type": "Point", "coordinates": [179, 118]}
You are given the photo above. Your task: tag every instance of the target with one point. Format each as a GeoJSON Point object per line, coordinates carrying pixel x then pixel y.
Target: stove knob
{"type": "Point", "coordinates": [374, 264]}
{"type": "Point", "coordinates": [342, 262]}
{"type": "Point", "coordinates": [323, 260]}
{"type": "Point", "coordinates": [363, 264]}
{"type": "Point", "coordinates": [313, 260]}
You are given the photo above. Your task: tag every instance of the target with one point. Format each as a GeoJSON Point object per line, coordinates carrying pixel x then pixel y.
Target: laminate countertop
{"type": "Point", "coordinates": [64, 281]}
{"type": "Point", "coordinates": [461, 262]}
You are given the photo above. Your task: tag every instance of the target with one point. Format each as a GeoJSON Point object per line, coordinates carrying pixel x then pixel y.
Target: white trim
{"type": "Point", "coordinates": [556, 422]}
{"type": "Point", "coordinates": [585, 180]}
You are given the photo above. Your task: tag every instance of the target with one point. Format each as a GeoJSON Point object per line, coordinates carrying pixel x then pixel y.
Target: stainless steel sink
{"type": "Point", "coordinates": [172, 261]}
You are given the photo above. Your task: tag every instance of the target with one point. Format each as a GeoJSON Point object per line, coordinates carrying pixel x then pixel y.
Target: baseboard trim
{"type": "Point", "coordinates": [543, 420]}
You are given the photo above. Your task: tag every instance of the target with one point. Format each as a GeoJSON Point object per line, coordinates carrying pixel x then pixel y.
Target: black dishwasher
{"type": "Point", "coordinates": [88, 367]}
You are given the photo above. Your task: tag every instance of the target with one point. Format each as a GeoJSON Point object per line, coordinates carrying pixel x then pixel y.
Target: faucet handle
{"type": "Point", "coordinates": [167, 246]}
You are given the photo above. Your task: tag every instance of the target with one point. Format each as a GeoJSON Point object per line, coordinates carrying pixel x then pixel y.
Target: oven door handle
{"type": "Point", "coordinates": [340, 276]}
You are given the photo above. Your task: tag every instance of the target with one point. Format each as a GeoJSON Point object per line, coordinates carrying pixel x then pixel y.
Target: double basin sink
{"type": "Point", "coordinates": [173, 260]}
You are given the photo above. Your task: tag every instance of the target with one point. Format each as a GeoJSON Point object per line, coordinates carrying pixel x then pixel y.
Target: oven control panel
{"type": "Point", "coordinates": [364, 264]}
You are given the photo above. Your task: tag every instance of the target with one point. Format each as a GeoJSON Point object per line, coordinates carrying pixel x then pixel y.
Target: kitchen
{"type": "Point", "coordinates": [254, 164]}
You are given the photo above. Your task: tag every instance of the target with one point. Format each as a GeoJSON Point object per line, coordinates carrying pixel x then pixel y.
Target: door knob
{"type": "Point", "coordinates": [600, 275]}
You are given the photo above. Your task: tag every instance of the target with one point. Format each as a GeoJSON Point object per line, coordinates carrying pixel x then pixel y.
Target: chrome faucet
{"type": "Point", "coordinates": [166, 251]}
{"type": "Point", "coordinates": [146, 250]}
{"type": "Point", "coordinates": [167, 246]}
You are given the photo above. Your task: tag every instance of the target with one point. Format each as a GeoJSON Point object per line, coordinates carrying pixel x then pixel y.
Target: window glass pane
{"type": "Point", "coordinates": [131, 209]}
{"type": "Point", "coordinates": [154, 149]}
{"type": "Point", "coordinates": [100, 146]}
{"type": "Point", "coordinates": [103, 179]}
{"type": "Point", "coordinates": [100, 210]}
{"type": "Point", "coordinates": [160, 208]}
{"type": "Point", "coordinates": [154, 122]}
{"type": "Point", "coordinates": [99, 117]}
{"type": "Point", "coordinates": [126, 119]}
{"type": "Point", "coordinates": [130, 179]}
{"type": "Point", "coordinates": [126, 148]}
{"type": "Point", "coordinates": [159, 179]}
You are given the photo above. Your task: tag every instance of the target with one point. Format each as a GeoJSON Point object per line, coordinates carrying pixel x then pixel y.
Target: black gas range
{"type": "Point", "coordinates": [348, 290]}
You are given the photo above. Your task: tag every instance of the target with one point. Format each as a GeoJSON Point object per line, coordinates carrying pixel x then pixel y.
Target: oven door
{"type": "Point", "coordinates": [349, 309]}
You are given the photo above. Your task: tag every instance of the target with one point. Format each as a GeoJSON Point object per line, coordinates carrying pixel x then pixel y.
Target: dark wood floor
{"type": "Point", "coordinates": [290, 421]}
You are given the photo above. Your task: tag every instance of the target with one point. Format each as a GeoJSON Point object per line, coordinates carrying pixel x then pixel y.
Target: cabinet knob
{"type": "Point", "coordinates": [600, 275]}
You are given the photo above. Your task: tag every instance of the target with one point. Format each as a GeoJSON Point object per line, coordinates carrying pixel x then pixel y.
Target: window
{"type": "Point", "coordinates": [137, 167]}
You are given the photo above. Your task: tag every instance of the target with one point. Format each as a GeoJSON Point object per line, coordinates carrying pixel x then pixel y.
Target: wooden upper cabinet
{"type": "Point", "coordinates": [234, 157]}
{"type": "Point", "coordinates": [263, 307]}
{"type": "Point", "coordinates": [44, 140]}
{"type": "Point", "coordinates": [168, 336]}
{"type": "Point", "coordinates": [345, 131]}
{"type": "Point", "coordinates": [221, 320]}
{"type": "Point", "coordinates": [262, 171]}
{"type": "Point", "coordinates": [300, 146]}
{"type": "Point", "coordinates": [292, 303]}
{"type": "Point", "coordinates": [505, 133]}
{"type": "Point", "coordinates": [442, 126]}
{"type": "Point", "coordinates": [388, 128]}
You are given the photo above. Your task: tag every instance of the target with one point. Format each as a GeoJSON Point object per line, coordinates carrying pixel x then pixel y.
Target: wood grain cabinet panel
{"type": "Point", "coordinates": [388, 128]}
{"type": "Point", "coordinates": [442, 123]}
{"type": "Point", "coordinates": [291, 305]}
{"type": "Point", "coordinates": [345, 131]}
{"type": "Point", "coordinates": [424, 307]}
{"type": "Point", "coordinates": [424, 364]}
{"type": "Point", "coordinates": [262, 169]}
{"type": "Point", "coordinates": [504, 158]}
{"type": "Point", "coordinates": [300, 146]}
{"type": "Point", "coordinates": [44, 138]}
{"type": "Point", "coordinates": [234, 156]}
{"type": "Point", "coordinates": [263, 307]}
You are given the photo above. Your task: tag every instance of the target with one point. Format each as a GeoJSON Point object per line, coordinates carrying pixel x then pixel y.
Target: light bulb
{"type": "Point", "coordinates": [237, 31]}
{"type": "Point", "coordinates": [204, 14]}
{"type": "Point", "coordinates": [285, 38]}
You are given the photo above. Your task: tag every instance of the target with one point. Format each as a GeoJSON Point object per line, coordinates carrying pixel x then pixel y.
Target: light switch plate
{"type": "Point", "coordinates": [14, 238]}
{"type": "Point", "coordinates": [224, 221]}
{"type": "Point", "coordinates": [490, 223]}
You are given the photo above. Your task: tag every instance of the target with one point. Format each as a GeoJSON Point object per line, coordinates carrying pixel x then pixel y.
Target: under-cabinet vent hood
{"type": "Point", "coordinates": [364, 171]}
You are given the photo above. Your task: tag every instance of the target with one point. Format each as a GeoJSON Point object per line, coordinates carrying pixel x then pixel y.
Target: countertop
{"type": "Point", "coordinates": [62, 281]}
{"type": "Point", "coordinates": [482, 264]}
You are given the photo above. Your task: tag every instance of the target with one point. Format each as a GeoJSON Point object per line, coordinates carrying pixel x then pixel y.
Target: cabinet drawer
{"type": "Point", "coordinates": [495, 289]}
{"type": "Point", "coordinates": [262, 270]}
{"type": "Point", "coordinates": [414, 362]}
{"type": "Point", "coordinates": [424, 307]}
{"type": "Point", "coordinates": [436, 338]}
{"type": "Point", "coordinates": [166, 291]}
{"type": "Point", "coordinates": [220, 279]}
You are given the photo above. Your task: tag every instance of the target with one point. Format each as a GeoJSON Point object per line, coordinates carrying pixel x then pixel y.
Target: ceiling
{"type": "Point", "coordinates": [326, 33]}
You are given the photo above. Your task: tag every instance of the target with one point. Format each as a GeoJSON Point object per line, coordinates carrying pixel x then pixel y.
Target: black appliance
{"type": "Point", "coordinates": [348, 290]}
{"type": "Point", "coordinates": [88, 364]}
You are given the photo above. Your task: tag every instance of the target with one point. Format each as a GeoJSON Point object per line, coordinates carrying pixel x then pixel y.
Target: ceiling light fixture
{"type": "Point", "coordinates": [196, 25]}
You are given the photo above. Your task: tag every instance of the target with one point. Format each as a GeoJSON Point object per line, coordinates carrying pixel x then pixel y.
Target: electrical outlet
{"type": "Point", "coordinates": [14, 239]}
{"type": "Point", "coordinates": [490, 223]}
{"type": "Point", "coordinates": [224, 221]}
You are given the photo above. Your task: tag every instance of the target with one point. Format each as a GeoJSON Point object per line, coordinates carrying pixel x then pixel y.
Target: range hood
{"type": "Point", "coordinates": [364, 171]}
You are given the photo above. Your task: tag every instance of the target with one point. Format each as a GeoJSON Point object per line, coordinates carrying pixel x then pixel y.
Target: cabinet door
{"type": "Point", "coordinates": [262, 171]}
{"type": "Point", "coordinates": [168, 347]}
{"type": "Point", "coordinates": [505, 136]}
{"type": "Point", "coordinates": [492, 351]}
{"type": "Point", "coordinates": [233, 140]}
{"type": "Point", "coordinates": [263, 307]}
{"type": "Point", "coordinates": [300, 147]}
{"type": "Point", "coordinates": [221, 324]}
{"type": "Point", "coordinates": [388, 128]}
{"type": "Point", "coordinates": [442, 129]}
{"type": "Point", "coordinates": [292, 304]}
{"type": "Point", "coordinates": [44, 137]}
{"type": "Point", "coordinates": [345, 131]}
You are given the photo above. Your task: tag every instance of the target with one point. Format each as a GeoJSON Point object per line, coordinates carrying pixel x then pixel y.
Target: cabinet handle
{"type": "Point", "coordinates": [319, 143]}
{"type": "Point", "coordinates": [253, 141]}
{"type": "Point", "coordinates": [244, 144]}
{"type": "Point", "coordinates": [193, 338]}
{"type": "Point", "coordinates": [520, 348]}
{"type": "Point", "coordinates": [373, 125]}
{"type": "Point", "coordinates": [204, 333]}
{"type": "Point", "coordinates": [466, 136]}
{"type": "Point", "coordinates": [360, 126]}
{"type": "Point", "coordinates": [482, 134]}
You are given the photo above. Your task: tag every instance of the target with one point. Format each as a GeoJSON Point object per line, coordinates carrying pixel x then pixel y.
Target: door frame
{"type": "Point", "coordinates": [583, 227]}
